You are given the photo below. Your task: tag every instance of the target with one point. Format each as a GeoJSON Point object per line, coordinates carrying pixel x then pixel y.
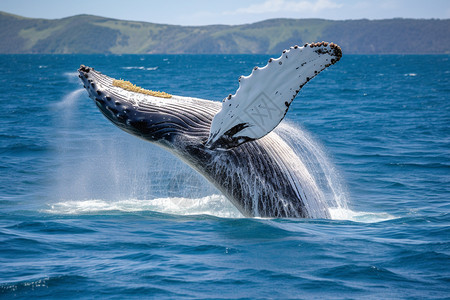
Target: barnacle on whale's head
{"type": "Point", "coordinates": [126, 85]}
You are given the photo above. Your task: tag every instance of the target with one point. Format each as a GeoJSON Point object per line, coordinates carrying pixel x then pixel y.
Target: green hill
{"type": "Point", "coordinates": [92, 34]}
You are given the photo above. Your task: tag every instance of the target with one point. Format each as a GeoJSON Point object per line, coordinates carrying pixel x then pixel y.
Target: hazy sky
{"type": "Point", "coordinates": [204, 12]}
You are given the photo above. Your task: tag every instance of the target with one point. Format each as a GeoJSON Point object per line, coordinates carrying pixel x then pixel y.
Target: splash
{"type": "Point", "coordinates": [118, 166]}
{"type": "Point", "coordinates": [114, 167]}
{"type": "Point", "coordinates": [70, 99]}
{"type": "Point", "coordinates": [359, 216]}
{"type": "Point", "coordinates": [216, 205]}
{"type": "Point", "coordinates": [332, 191]}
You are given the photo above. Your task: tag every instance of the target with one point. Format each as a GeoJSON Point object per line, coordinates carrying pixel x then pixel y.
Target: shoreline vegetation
{"type": "Point", "coordinates": [87, 34]}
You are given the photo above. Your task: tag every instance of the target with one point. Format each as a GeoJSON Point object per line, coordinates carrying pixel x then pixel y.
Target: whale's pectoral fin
{"type": "Point", "coordinates": [263, 97]}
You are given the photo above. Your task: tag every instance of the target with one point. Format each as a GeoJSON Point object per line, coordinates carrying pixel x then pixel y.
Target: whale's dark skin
{"type": "Point", "coordinates": [257, 177]}
{"type": "Point", "coordinates": [184, 130]}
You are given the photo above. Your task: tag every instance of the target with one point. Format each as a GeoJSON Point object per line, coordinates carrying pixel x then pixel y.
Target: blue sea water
{"type": "Point", "coordinates": [87, 211]}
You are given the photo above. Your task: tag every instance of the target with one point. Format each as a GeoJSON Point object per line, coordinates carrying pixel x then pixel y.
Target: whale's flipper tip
{"type": "Point", "coordinates": [263, 98]}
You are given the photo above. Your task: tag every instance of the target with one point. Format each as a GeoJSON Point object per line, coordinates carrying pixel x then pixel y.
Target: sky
{"type": "Point", "coordinates": [229, 12]}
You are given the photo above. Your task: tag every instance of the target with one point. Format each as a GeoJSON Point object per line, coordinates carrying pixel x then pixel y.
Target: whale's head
{"type": "Point", "coordinates": [154, 116]}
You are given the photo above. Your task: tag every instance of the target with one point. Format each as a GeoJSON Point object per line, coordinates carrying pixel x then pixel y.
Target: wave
{"type": "Point", "coordinates": [39, 286]}
{"type": "Point", "coordinates": [141, 68]}
{"type": "Point", "coordinates": [359, 216]}
{"type": "Point", "coordinates": [215, 205]}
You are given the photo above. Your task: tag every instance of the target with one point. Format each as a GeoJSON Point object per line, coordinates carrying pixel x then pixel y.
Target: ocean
{"type": "Point", "coordinates": [88, 211]}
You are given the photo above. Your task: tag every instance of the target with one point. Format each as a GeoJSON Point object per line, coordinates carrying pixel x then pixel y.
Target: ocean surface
{"type": "Point", "coordinates": [88, 211]}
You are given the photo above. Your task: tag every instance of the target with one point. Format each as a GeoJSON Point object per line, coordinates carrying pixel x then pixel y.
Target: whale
{"type": "Point", "coordinates": [234, 144]}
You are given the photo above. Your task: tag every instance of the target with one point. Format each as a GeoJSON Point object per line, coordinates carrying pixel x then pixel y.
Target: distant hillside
{"type": "Point", "coordinates": [92, 34]}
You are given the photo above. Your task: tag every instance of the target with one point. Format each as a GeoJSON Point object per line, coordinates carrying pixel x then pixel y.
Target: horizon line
{"type": "Point", "coordinates": [264, 20]}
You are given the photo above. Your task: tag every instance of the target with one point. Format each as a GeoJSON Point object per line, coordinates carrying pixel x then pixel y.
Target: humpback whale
{"type": "Point", "coordinates": [232, 144]}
